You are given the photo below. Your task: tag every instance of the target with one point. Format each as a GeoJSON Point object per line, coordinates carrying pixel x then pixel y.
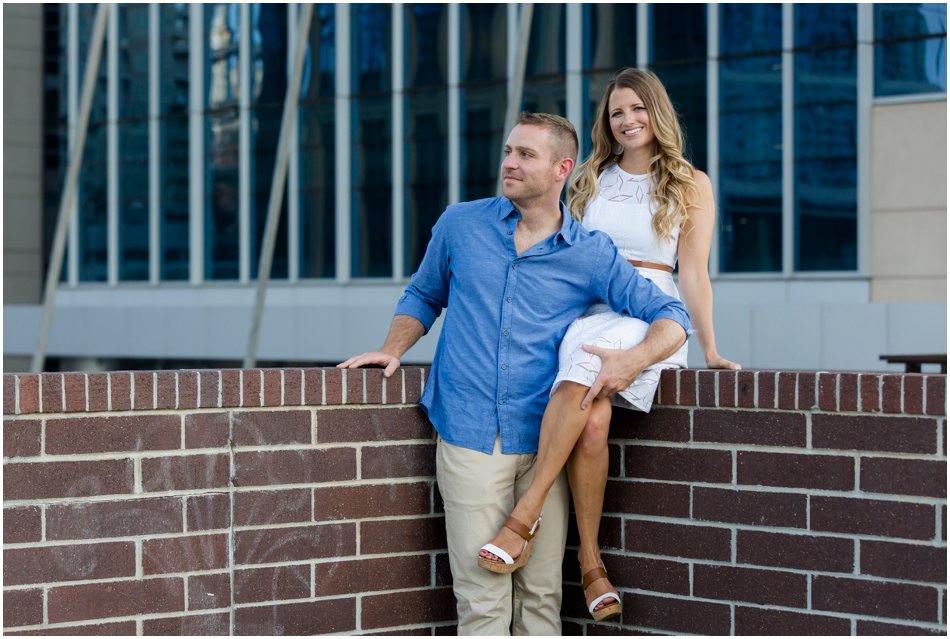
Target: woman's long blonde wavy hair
{"type": "Point", "coordinates": [674, 186]}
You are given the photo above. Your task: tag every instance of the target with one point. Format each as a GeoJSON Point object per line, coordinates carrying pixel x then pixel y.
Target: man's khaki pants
{"type": "Point", "coordinates": [479, 492]}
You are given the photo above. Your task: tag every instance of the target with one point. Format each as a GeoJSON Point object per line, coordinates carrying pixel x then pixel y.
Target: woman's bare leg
{"type": "Point", "coordinates": [587, 473]}
{"type": "Point", "coordinates": [561, 425]}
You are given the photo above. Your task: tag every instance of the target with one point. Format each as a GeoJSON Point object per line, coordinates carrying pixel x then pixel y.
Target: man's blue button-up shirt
{"type": "Point", "coordinates": [506, 315]}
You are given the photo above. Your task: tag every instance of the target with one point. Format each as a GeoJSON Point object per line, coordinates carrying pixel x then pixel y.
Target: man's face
{"type": "Point", "coordinates": [529, 169]}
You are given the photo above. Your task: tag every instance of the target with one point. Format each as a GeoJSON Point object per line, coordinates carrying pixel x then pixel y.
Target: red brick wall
{"type": "Point", "coordinates": [303, 502]}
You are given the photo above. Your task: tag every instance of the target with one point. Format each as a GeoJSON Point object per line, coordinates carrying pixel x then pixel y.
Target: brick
{"type": "Point", "coordinates": [870, 390]}
{"type": "Point", "coordinates": [115, 433]}
{"type": "Point", "coordinates": [67, 479]}
{"type": "Point", "coordinates": [191, 472]}
{"type": "Point", "coordinates": [402, 535]}
{"type": "Point", "coordinates": [272, 584]}
{"type": "Point", "coordinates": [904, 477]}
{"type": "Point", "coordinates": [936, 395]}
{"type": "Point", "coordinates": [353, 386]}
{"type": "Point", "coordinates": [255, 428]}
{"type": "Point", "coordinates": [807, 391]}
{"type": "Point", "coordinates": [876, 628]}
{"type": "Point", "coordinates": [230, 388]}
{"type": "Point", "coordinates": [293, 387]}
{"type": "Point", "coordinates": [143, 393]}
{"type": "Point", "coordinates": [913, 394]}
{"type": "Point", "coordinates": [678, 540]}
{"type": "Point", "coordinates": [118, 629]}
{"type": "Point", "coordinates": [667, 392]}
{"type": "Point", "coordinates": [866, 433]}
{"type": "Point", "coordinates": [298, 543]}
{"type": "Point", "coordinates": [98, 396]}
{"type": "Point", "coordinates": [892, 399]}
{"type": "Point", "coordinates": [412, 460]}
{"type": "Point", "coordinates": [762, 621]}
{"type": "Point", "coordinates": [678, 464]}
{"type": "Point", "coordinates": [872, 517]}
{"type": "Point", "coordinates": [257, 508]}
{"type": "Point", "coordinates": [21, 524]}
{"type": "Point", "coordinates": [414, 380]}
{"type": "Point", "coordinates": [661, 424]}
{"type": "Point", "coordinates": [676, 615]}
{"type": "Point", "coordinates": [443, 572]}
{"type": "Point", "coordinates": [214, 625]}
{"type": "Point", "coordinates": [640, 573]}
{"type": "Point", "coordinates": [875, 599]}
{"type": "Point", "coordinates": [745, 387]}
{"type": "Point", "coordinates": [166, 390]}
{"type": "Point", "coordinates": [750, 507]}
{"type": "Point", "coordinates": [207, 592]}
{"type": "Point", "coordinates": [646, 498]}
{"type": "Point", "coordinates": [9, 394]}
{"type": "Point", "coordinates": [728, 380]}
{"type": "Point", "coordinates": [788, 391]}
{"type": "Point", "coordinates": [393, 386]}
{"type": "Point", "coordinates": [114, 518]}
{"type": "Point", "coordinates": [764, 428]}
{"type": "Point", "coordinates": [22, 608]}
{"type": "Point", "coordinates": [208, 512]}
{"type": "Point", "coordinates": [848, 392]}
{"type": "Point", "coordinates": [828, 391]}
{"type": "Point", "coordinates": [306, 466]}
{"type": "Point", "coordinates": [272, 387]}
{"type": "Point", "coordinates": [251, 384]}
{"type": "Point", "coordinates": [789, 470]}
{"type": "Point", "coordinates": [209, 387]}
{"type": "Point", "coordinates": [904, 561]}
{"type": "Point", "coordinates": [408, 608]}
{"type": "Point", "coordinates": [372, 575]}
{"type": "Point", "coordinates": [802, 552]}
{"type": "Point", "coordinates": [21, 438]}
{"type": "Point", "coordinates": [313, 386]}
{"type": "Point", "coordinates": [308, 618]}
{"type": "Point", "coordinates": [77, 562]}
{"type": "Point", "coordinates": [184, 554]}
{"type": "Point", "coordinates": [51, 392]}
{"type": "Point", "coordinates": [187, 389]}
{"type": "Point", "coordinates": [115, 599]}
{"type": "Point", "coordinates": [207, 430]}
{"type": "Point", "coordinates": [766, 587]}
{"type": "Point", "coordinates": [766, 389]}
{"type": "Point", "coordinates": [29, 391]}
{"type": "Point", "coordinates": [74, 385]}
{"type": "Point", "coordinates": [120, 385]}
{"type": "Point", "coordinates": [706, 387]}
{"type": "Point", "coordinates": [687, 387]}
{"type": "Point", "coordinates": [371, 425]}
{"type": "Point", "coordinates": [379, 500]}
{"type": "Point", "coordinates": [374, 383]}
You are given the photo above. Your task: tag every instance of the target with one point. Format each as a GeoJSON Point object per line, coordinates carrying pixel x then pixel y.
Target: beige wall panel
{"type": "Point", "coordinates": [909, 289]}
{"type": "Point", "coordinates": [909, 243]}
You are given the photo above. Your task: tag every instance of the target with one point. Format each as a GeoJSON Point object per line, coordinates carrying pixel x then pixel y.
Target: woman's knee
{"type": "Point", "coordinates": [594, 436]}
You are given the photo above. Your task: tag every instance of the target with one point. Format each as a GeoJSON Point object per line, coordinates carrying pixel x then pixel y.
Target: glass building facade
{"type": "Point", "coordinates": [401, 112]}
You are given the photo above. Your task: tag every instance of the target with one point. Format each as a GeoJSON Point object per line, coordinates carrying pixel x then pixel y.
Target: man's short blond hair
{"type": "Point", "coordinates": [562, 132]}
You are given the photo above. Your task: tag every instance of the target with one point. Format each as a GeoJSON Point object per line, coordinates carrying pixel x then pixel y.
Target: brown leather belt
{"type": "Point", "coordinates": [659, 267]}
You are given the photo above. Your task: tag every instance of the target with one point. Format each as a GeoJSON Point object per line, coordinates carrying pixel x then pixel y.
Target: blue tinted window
{"type": "Point", "coordinates": [825, 137]}
{"type": "Point", "coordinates": [750, 138]}
{"type": "Point", "coordinates": [55, 121]}
{"type": "Point", "coordinates": [544, 70]}
{"type": "Point", "coordinates": [910, 53]}
{"type": "Point", "coordinates": [174, 85]}
{"type": "Point", "coordinates": [317, 149]}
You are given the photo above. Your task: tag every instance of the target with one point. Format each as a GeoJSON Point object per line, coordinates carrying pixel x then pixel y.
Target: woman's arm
{"type": "Point", "coordinates": [693, 257]}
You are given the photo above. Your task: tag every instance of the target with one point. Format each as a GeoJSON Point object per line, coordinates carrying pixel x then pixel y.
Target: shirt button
{"type": "Point", "coordinates": [508, 299]}
{"type": "Point", "coordinates": [505, 332]}
{"type": "Point", "coordinates": [504, 367]}
{"type": "Point", "coordinates": [514, 265]}
{"type": "Point", "coordinates": [500, 402]}
{"type": "Point", "coordinates": [510, 232]}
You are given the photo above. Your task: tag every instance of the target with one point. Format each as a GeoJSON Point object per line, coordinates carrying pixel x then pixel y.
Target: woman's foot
{"type": "Point", "coordinates": [510, 548]}
{"type": "Point", "coordinates": [603, 600]}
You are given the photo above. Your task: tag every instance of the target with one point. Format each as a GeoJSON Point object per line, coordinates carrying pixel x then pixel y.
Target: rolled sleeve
{"type": "Point", "coordinates": [428, 291]}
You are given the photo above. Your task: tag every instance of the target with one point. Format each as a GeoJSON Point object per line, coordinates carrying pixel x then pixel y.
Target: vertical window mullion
{"type": "Point", "coordinates": [293, 167]}
{"type": "Point", "coordinates": [154, 197]}
{"type": "Point", "coordinates": [72, 60]}
{"type": "Point", "coordinates": [398, 137]}
{"type": "Point", "coordinates": [788, 140]}
{"type": "Point", "coordinates": [574, 82]}
{"type": "Point", "coordinates": [244, 146]}
{"type": "Point", "coordinates": [196, 61]}
{"type": "Point", "coordinates": [342, 143]}
{"type": "Point", "coordinates": [712, 132]}
{"type": "Point", "coordinates": [112, 148]}
{"type": "Point", "coordinates": [455, 103]}
{"type": "Point", "coordinates": [643, 35]}
{"type": "Point", "coordinates": [865, 102]}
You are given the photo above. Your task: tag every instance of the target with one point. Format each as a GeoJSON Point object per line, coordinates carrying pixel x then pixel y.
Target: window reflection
{"type": "Point", "coordinates": [911, 48]}
{"type": "Point", "coordinates": [55, 121]}
{"type": "Point", "coordinates": [750, 138]}
{"type": "Point", "coordinates": [544, 72]}
{"type": "Point", "coordinates": [825, 137]}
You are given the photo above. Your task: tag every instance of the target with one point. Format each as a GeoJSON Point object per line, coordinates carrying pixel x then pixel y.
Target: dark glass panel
{"type": "Point", "coordinates": [825, 138]}
{"type": "Point", "coordinates": [544, 84]}
{"type": "Point", "coordinates": [55, 121]}
{"type": "Point", "coordinates": [132, 129]}
{"type": "Point", "coordinates": [174, 87]}
{"type": "Point", "coordinates": [910, 55]}
{"type": "Point", "coordinates": [750, 138]}
{"type": "Point", "coordinates": [317, 149]}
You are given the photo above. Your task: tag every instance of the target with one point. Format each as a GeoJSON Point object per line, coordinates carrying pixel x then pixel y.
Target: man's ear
{"type": "Point", "coordinates": [564, 168]}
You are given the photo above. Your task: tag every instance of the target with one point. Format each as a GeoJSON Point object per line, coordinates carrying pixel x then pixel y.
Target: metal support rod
{"type": "Point", "coordinates": [288, 122]}
{"type": "Point", "coordinates": [514, 99]}
{"type": "Point", "coordinates": [65, 216]}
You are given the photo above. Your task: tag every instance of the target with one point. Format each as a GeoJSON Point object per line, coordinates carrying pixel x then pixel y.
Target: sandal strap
{"type": "Point", "coordinates": [520, 529]}
{"type": "Point", "coordinates": [593, 575]}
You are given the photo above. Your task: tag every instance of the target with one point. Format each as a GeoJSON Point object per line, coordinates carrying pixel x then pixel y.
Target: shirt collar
{"type": "Point", "coordinates": [569, 226]}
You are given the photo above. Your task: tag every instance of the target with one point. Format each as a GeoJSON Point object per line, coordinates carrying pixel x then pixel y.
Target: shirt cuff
{"type": "Point", "coordinates": [414, 307]}
{"type": "Point", "coordinates": [677, 316]}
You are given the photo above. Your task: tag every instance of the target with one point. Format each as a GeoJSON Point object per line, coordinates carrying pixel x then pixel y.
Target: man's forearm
{"type": "Point", "coordinates": [663, 338]}
{"type": "Point", "coordinates": [404, 332]}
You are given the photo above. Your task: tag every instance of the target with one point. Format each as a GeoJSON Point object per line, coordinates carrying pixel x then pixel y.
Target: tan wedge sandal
{"type": "Point", "coordinates": [507, 565]}
{"type": "Point", "coordinates": [610, 610]}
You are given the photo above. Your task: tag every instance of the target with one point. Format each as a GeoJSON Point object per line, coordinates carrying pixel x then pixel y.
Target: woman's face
{"type": "Point", "coordinates": [629, 120]}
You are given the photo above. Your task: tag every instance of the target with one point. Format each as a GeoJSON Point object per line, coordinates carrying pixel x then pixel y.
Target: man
{"type": "Point", "coordinates": [513, 273]}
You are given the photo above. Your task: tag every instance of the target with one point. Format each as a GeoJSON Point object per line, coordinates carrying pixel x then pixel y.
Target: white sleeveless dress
{"type": "Point", "coordinates": [623, 210]}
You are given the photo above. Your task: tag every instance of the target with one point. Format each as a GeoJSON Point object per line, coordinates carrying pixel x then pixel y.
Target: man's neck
{"type": "Point", "coordinates": [539, 216]}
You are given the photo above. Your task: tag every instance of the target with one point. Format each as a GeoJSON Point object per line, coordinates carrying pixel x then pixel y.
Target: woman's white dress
{"type": "Point", "coordinates": [623, 210]}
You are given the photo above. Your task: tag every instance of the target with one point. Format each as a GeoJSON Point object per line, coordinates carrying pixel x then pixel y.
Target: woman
{"type": "Point", "coordinates": [659, 210]}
